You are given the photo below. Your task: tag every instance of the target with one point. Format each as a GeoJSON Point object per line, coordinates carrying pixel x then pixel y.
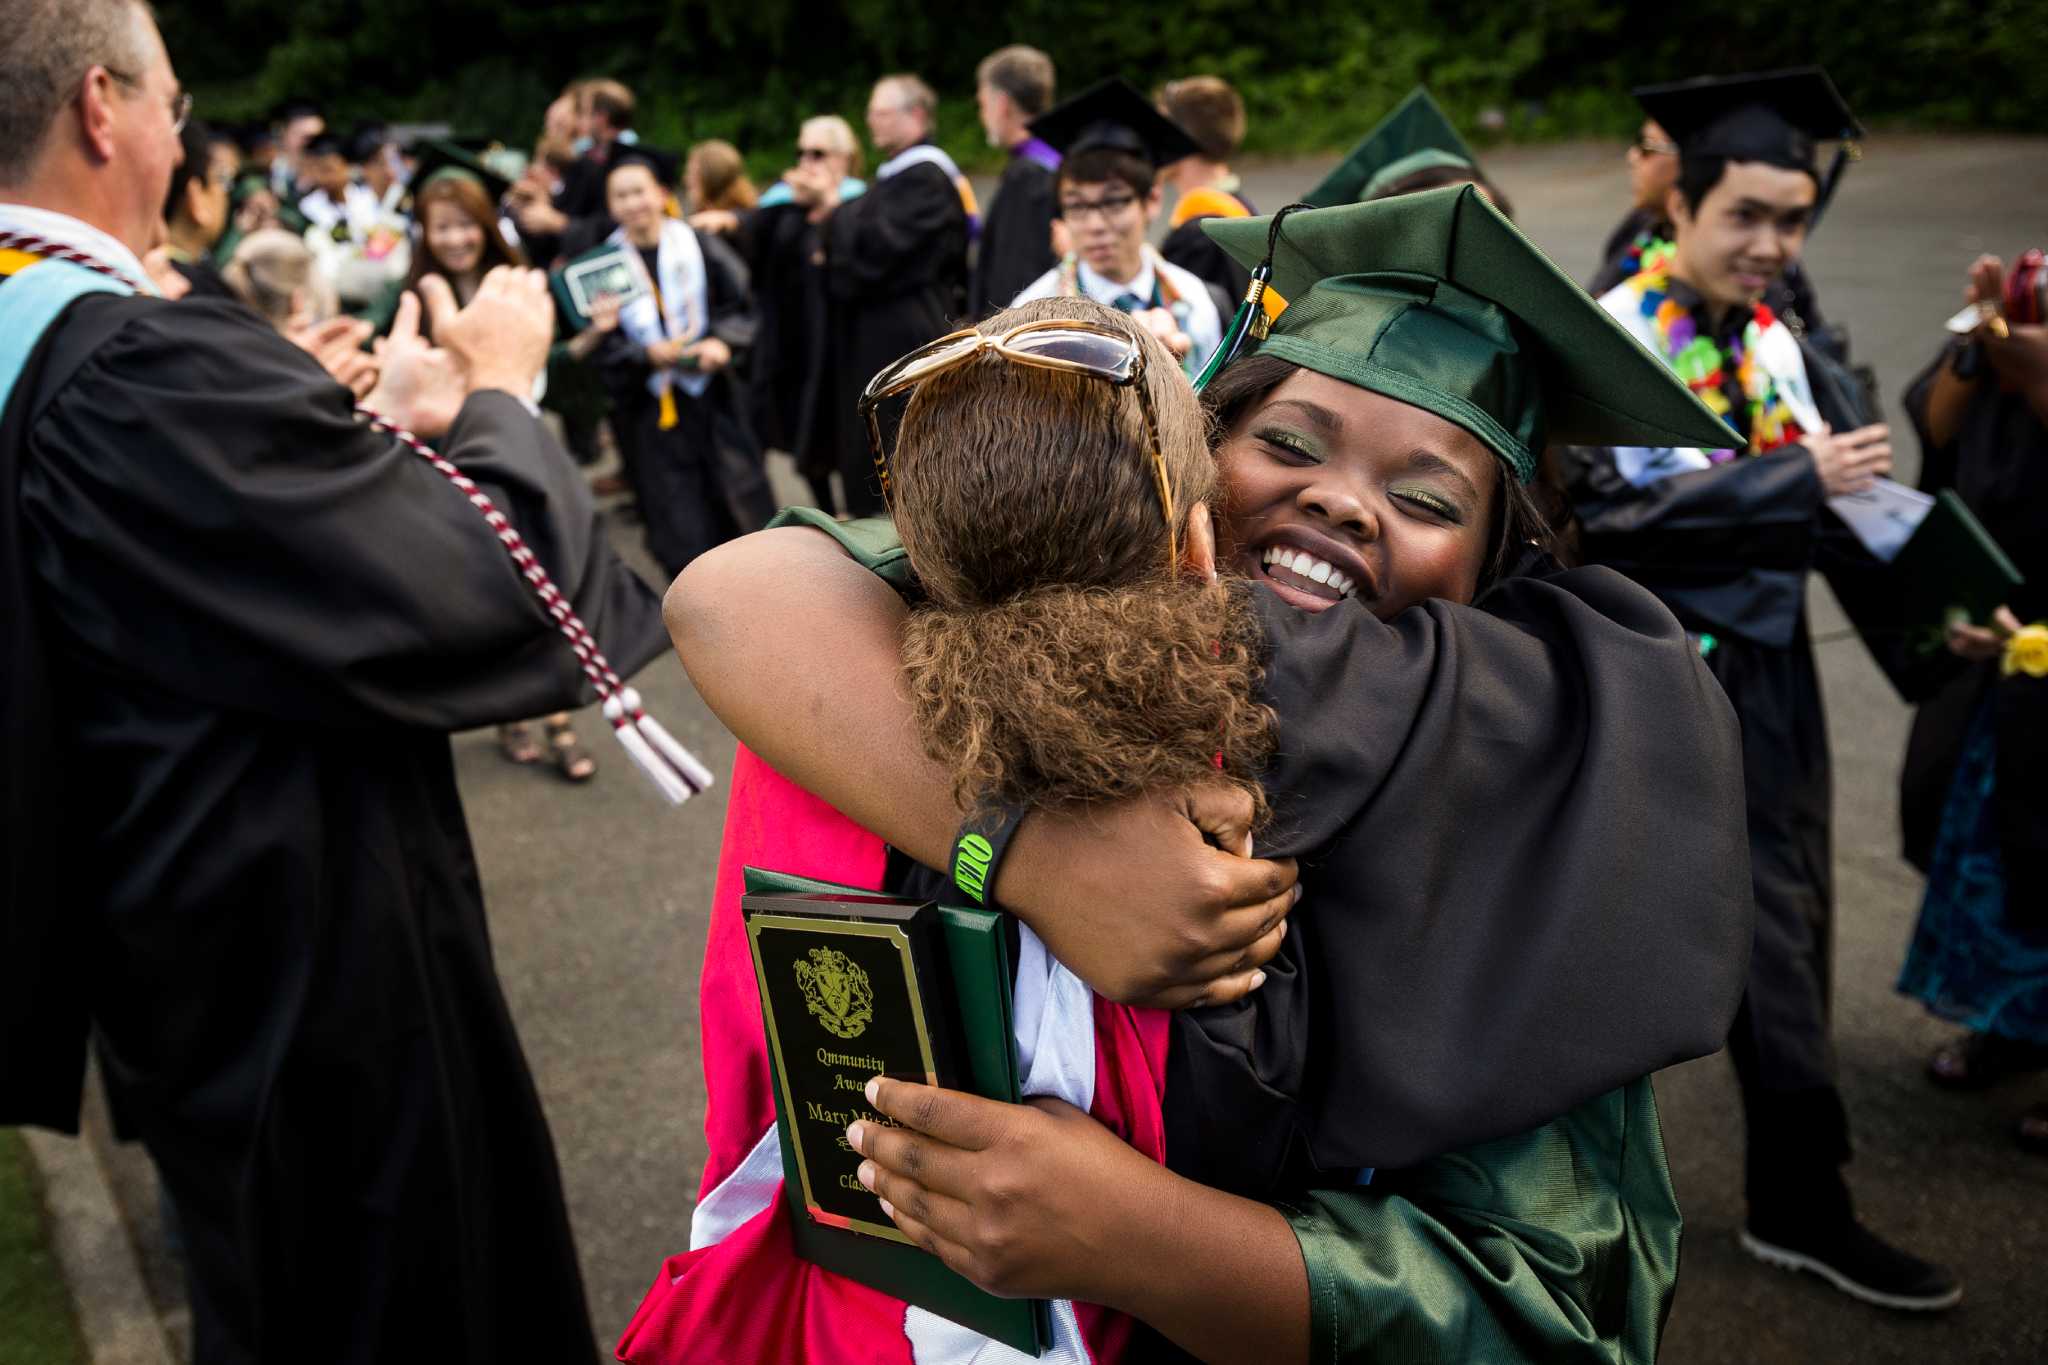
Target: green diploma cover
{"type": "Point", "coordinates": [855, 985]}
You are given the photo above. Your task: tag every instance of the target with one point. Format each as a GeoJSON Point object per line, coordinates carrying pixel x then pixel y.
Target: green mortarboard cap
{"type": "Point", "coordinates": [1435, 299]}
{"type": "Point", "coordinates": [1112, 114]}
{"type": "Point", "coordinates": [1415, 125]}
{"type": "Point", "coordinates": [1772, 116]}
{"type": "Point", "coordinates": [440, 158]}
{"type": "Point", "coordinates": [1415, 163]}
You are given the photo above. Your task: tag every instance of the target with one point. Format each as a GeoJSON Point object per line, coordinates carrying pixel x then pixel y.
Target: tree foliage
{"type": "Point", "coordinates": [1314, 72]}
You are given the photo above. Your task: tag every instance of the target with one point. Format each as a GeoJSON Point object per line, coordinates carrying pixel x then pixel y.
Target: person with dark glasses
{"type": "Point", "coordinates": [1513, 789]}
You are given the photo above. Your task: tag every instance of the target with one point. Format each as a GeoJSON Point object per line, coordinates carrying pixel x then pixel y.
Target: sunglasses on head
{"type": "Point", "coordinates": [1090, 349]}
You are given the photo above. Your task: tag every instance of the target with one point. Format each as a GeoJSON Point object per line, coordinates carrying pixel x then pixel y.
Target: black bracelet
{"type": "Point", "coordinates": [979, 848]}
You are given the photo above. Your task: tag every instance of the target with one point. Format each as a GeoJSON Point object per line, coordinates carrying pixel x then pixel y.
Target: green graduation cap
{"type": "Point", "coordinates": [1437, 300]}
{"type": "Point", "coordinates": [441, 158]}
{"type": "Point", "coordinates": [1414, 137]}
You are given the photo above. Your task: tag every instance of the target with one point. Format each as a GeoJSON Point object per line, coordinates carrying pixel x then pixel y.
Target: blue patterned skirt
{"type": "Point", "coordinates": [1965, 962]}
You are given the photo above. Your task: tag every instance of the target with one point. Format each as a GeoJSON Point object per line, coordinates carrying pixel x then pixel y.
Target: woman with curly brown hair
{"type": "Point", "coordinates": [1503, 805]}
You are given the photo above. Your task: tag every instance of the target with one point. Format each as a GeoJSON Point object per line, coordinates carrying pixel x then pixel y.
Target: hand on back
{"type": "Point", "coordinates": [1154, 900]}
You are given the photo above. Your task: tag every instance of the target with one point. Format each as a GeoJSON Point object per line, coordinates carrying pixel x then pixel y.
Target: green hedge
{"type": "Point", "coordinates": [1313, 74]}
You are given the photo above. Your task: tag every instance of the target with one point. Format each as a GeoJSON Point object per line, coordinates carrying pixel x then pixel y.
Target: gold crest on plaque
{"type": "Point", "coordinates": [837, 991]}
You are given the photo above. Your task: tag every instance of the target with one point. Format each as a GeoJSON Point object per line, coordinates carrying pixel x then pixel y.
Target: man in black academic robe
{"type": "Point", "coordinates": [895, 263]}
{"type": "Point", "coordinates": [1013, 86]}
{"type": "Point", "coordinates": [240, 625]}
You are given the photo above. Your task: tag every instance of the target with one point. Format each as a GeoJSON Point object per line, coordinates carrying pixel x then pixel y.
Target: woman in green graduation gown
{"type": "Point", "coordinates": [1373, 459]}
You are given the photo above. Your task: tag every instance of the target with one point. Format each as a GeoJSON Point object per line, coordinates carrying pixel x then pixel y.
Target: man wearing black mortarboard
{"type": "Point", "coordinates": [1653, 171]}
{"type": "Point", "coordinates": [1114, 142]}
{"type": "Point", "coordinates": [1727, 538]}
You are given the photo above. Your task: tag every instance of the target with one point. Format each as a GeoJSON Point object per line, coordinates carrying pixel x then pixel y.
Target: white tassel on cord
{"type": "Point", "coordinates": [667, 779]}
{"type": "Point", "coordinates": [673, 770]}
{"type": "Point", "coordinates": [695, 773]}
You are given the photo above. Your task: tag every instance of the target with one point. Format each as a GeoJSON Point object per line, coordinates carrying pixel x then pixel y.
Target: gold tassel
{"type": "Point", "coordinates": [668, 409]}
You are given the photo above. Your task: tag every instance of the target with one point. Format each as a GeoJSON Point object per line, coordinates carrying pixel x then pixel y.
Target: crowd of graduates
{"type": "Point", "coordinates": [1581, 524]}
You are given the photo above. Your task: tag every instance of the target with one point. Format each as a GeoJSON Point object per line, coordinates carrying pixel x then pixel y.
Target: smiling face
{"type": "Point", "coordinates": [454, 239]}
{"type": "Point", "coordinates": [1747, 229]}
{"type": "Point", "coordinates": [636, 202]}
{"type": "Point", "coordinates": [1333, 491]}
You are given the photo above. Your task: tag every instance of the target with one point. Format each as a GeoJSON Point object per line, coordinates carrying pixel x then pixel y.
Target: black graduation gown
{"type": "Point", "coordinates": [701, 482]}
{"type": "Point", "coordinates": [1016, 237]}
{"type": "Point", "coordinates": [1524, 874]}
{"type": "Point", "coordinates": [240, 626]}
{"type": "Point", "coordinates": [895, 261]}
{"type": "Point", "coordinates": [1729, 549]}
{"type": "Point", "coordinates": [1998, 465]}
{"type": "Point", "coordinates": [784, 253]}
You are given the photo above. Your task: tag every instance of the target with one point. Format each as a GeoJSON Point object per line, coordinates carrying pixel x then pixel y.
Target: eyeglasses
{"type": "Point", "coordinates": [1072, 347]}
{"type": "Point", "coordinates": [180, 104]}
{"type": "Point", "coordinates": [812, 153]}
{"type": "Point", "coordinates": [1649, 146]}
{"type": "Point", "coordinates": [1080, 212]}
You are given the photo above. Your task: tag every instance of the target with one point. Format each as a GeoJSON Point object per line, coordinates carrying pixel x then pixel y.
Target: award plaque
{"type": "Point", "coordinates": [855, 985]}
{"type": "Point", "coordinates": [844, 984]}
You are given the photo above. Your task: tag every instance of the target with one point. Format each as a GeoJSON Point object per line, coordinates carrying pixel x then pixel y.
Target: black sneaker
{"type": "Point", "coordinates": [1859, 1263]}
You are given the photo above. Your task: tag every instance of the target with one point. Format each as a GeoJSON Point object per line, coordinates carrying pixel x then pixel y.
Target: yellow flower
{"type": "Point", "coordinates": [2027, 651]}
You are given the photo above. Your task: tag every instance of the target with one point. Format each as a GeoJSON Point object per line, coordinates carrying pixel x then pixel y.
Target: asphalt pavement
{"type": "Point", "coordinates": [599, 895]}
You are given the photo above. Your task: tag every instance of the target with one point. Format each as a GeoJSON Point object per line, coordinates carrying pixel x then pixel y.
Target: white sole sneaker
{"type": "Point", "coordinates": [1770, 1253]}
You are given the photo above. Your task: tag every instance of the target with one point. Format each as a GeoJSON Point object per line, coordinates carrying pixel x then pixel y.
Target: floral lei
{"type": "Point", "coordinates": [1699, 360]}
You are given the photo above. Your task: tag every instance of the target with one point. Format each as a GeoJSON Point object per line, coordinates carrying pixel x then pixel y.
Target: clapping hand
{"type": "Point", "coordinates": [813, 185]}
{"type": "Point", "coordinates": [501, 337]}
{"type": "Point", "coordinates": [337, 344]}
{"type": "Point", "coordinates": [420, 386]}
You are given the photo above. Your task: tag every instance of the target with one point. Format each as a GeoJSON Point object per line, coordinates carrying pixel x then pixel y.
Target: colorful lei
{"type": "Point", "coordinates": [1700, 361]}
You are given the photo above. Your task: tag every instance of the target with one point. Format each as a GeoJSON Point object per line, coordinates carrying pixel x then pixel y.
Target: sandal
{"type": "Point", "coordinates": [1978, 1061]}
{"type": "Point", "coordinates": [2032, 1130]}
{"type": "Point", "coordinates": [572, 760]}
{"type": "Point", "coordinates": [515, 742]}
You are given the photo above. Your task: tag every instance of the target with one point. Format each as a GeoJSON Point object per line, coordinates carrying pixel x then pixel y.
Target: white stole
{"type": "Point", "coordinates": [685, 311]}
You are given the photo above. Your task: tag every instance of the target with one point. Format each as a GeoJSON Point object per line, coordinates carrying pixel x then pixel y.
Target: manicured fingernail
{"type": "Point", "coordinates": [1297, 893]}
{"type": "Point", "coordinates": [855, 1131]}
{"type": "Point", "coordinates": [887, 1207]}
{"type": "Point", "coordinates": [1258, 980]}
{"type": "Point", "coordinates": [867, 1174]}
{"type": "Point", "coordinates": [874, 1090]}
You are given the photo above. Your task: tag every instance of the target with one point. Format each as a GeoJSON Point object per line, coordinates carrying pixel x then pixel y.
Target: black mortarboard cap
{"type": "Point", "coordinates": [1112, 114]}
{"type": "Point", "coordinates": [667, 166]}
{"type": "Point", "coordinates": [440, 157]}
{"type": "Point", "coordinates": [1769, 116]}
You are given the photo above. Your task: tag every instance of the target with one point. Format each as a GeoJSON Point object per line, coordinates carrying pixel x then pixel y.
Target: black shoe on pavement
{"type": "Point", "coordinates": [1858, 1262]}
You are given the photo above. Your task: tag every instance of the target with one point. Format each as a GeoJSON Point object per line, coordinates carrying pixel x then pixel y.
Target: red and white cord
{"type": "Point", "coordinates": [674, 770]}
{"type": "Point", "coordinates": [671, 767]}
